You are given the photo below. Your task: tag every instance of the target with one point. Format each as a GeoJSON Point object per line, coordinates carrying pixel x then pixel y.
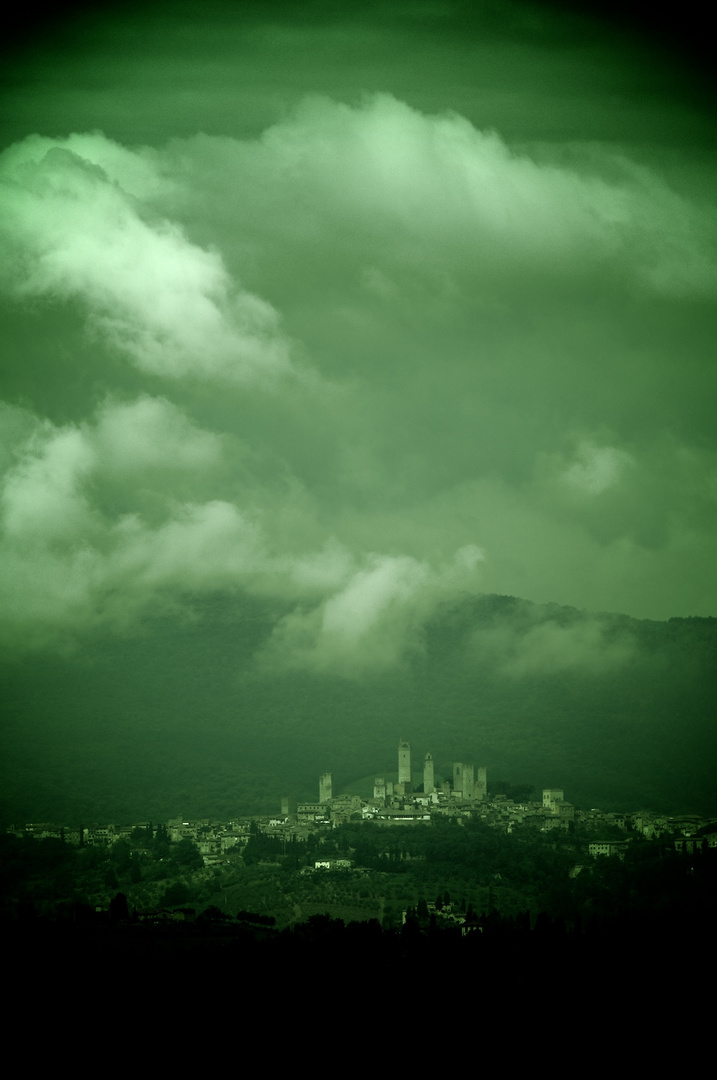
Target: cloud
{"type": "Point", "coordinates": [581, 645]}
{"type": "Point", "coordinates": [517, 349]}
{"type": "Point", "coordinates": [149, 433]}
{"type": "Point", "coordinates": [92, 527]}
{"type": "Point", "coordinates": [48, 490]}
{"type": "Point", "coordinates": [596, 469]}
{"type": "Point", "coordinates": [406, 196]}
{"type": "Point", "coordinates": [167, 304]}
{"type": "Point", "coordinates": [373, 621]}
{"type": "Point", "coordinates": [54, 596]}
{"type": "Point", "coordinates": [98, 528]}
{"type": "Point", "coordinates": [42, 498]}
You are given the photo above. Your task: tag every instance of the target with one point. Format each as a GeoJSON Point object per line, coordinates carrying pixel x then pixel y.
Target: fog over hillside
{"type": "Point", "coordinates": [328, 329]}
{"type": "Point", "coordinates": [182, 720]}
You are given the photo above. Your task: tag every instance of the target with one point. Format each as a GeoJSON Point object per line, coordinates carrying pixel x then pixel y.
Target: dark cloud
{"type": "Point", "coordinates": [358, 329]}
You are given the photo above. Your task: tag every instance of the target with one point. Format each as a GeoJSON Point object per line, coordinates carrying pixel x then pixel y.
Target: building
{"type": "Point", "coordinates": [469, 784]}
{"type": "Point", "coordinates": [404, 765]}
{"type": "Point", "coordinates": [325, 787]}
{"type": "Point", "coordinates": [463, 780]}
{"type": "Point", "coordinates": [609, 847]}
{"type": "Point", "coordinates": [312, 812]}
{"type": "Point", "coordinates": [481, 787]}
{"type": "Point", "coordinates": [429, 785]}
{"type": "Point", "coordinates": [551, 798]}
{"type": "Point", "coordinates": [554, 804]}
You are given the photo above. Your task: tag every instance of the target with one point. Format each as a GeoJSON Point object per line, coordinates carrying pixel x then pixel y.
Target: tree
{"type": "Point", "coordinates": [187, 855]}
{"type": "Point", "coordinates": [121, 855]}
{"type": "Point", "coordinates": [212, 914]}
{"type": "Point", "coordinates": [119, 912]}
{"type": "Point", "coordinates": [111, 881]}
{"type": "Point", "coordinates": [176, 893]}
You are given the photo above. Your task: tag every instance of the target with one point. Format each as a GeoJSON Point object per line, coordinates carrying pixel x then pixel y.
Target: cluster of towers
{"type": "Point", "coordinates": [469, 783]}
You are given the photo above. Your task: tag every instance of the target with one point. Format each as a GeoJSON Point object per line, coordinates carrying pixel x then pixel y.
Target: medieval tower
{"type": "Point", "coordinates": [404, 764]}
{"type": "Point", "coordinates": [429, 785]}
{"type": "Point", "coordinates": [325, 787]}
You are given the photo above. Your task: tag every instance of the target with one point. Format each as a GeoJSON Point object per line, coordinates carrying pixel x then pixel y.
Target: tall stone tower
{"type": "Point", "coordinates": [325, 789]}
{"type": "Point", "coordinates": [404, 764]}
{"type": "Point", "coordinates": [552, 797]}
{"type": "Point", "coordinates": [464, 783]}
{"type": "Point", "coordinates": [481, 788]}
{"type": "Point", "coordinates": [429, 785]}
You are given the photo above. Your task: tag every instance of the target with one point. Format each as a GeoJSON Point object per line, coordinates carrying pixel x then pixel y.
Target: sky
{"type": "Point", "coordinates": [353, 311]}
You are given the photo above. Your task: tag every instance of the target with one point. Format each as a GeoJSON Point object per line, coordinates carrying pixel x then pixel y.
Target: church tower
{"type": "Point", "coordinates": [325, 787]}
{"type": "Point", "coordinates": [404, 764]}
{"type": "Point", "coordinates": [429, 785]}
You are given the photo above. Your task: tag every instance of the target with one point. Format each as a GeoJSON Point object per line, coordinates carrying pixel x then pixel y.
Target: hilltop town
{"type": "Point", "coordinates": [402, 802]}
{"type": "Point", "coordinates": [425, 870]}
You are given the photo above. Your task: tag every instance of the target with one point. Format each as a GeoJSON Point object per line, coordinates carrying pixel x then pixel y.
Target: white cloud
{"type": "Point", "coordinates": [46, 491]}
{"type": "Point", "coordinates": [151, 433]}
{"type": "Point", "coordinates": [166, 303]}
{"type": "Point", "coordinates": [375, 618]}
{"type": "Point", "coordinates": [42, 499]}
{"type": "Point", "coordinates": [597, 468]}
{"type": "Point", "coordinates": [202, 547]}
{"type": "Point", "coordinates": [585, 645]}
{"type": "Point", "coordinates": [396, 194]}
{"type": "Point", "coordinates": [434, 269]}
{"type": "Point", "coordinates": [74, 561]}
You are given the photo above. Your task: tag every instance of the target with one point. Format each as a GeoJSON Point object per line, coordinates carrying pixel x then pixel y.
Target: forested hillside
{"type": "Point", "coordinates": [182, 718]}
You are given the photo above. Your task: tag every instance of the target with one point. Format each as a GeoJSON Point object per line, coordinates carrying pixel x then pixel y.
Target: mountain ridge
{"type": "Point", "coordinates": [619, 712]}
